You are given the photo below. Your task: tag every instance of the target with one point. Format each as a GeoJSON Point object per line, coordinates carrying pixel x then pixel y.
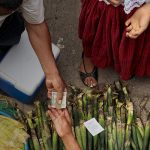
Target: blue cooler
{"type": "Point", "coordinates": [21, 75]}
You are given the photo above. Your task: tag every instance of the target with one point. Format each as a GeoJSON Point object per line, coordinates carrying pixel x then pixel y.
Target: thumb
{"type": "Point", "coordinates": [60, 93]}
{"type": "Point", "coordinates": [49, 88]}
{"type": "Point", "coordinates": [59, 96]}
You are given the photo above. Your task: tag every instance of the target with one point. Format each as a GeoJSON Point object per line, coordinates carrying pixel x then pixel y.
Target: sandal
{"type": "Point", "coordinates": [93, 74]}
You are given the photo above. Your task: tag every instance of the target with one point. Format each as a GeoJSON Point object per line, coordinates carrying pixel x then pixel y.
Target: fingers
{"type": "Point", "coordinates": [59, 96]}
{"type": "Point", "coordinates": [133, 34]}
{"type": "Point", "coordinates": [49, 88]}
{"type": "Point", "coordinates": [49, 93]}
{"type": "Point", "coordinates": [49, 107]}
{"type": "Point", "coordinates": [51, 115]}
{"type": "Point", "coordinates": [59, 88]}
{"type": "Point", "coordinates": [129, 28]}
{"type": "Point", "coordinates": [54, 112]}
{"type": "Point", "coordinates": [66, 113]}
{"type": "Point", "coordinates": [128, 22]}
{"type": "Point", "coordinates": [133, 29]}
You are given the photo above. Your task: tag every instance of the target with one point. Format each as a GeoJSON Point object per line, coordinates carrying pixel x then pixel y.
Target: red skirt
{"type": "Point", "coordinates": [103, 33]}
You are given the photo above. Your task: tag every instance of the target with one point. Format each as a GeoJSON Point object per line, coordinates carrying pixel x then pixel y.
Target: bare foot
{"type": "Point", "coordinates": [138, 22]}
{"type": "Point", "coordinates": [88, 68]}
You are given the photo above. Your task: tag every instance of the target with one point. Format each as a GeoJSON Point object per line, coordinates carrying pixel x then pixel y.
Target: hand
{"type": "Point", "coordinates": [138, 22]}
{"type": "Point", "coordinates": [55, 83]}
{"type": "Point", "coordinates": [62, 122]}
{"type": "Point", "coordinates": [115, 2]}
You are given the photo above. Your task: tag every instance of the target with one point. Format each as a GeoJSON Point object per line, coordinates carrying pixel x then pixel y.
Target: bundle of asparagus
{"type": "Point", "coordinates": [114, 111]}
{"type": "Point", "coordinates": [112, 108]}
{"type": "Point", "coordinates": [42, 133]}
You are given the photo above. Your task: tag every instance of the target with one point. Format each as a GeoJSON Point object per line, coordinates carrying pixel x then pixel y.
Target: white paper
{"type": "Point", "coordinates": [93, 126]}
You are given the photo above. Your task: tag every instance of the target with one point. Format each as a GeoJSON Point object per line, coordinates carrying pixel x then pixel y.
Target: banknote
{"type": "Point", "coordinates": [54, 103]}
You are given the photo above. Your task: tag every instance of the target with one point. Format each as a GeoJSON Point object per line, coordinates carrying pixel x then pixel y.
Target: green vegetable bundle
{"type": "Point", "coordinates": [113, 109]}
{"type": "Point", "coordinates": [42, 133]}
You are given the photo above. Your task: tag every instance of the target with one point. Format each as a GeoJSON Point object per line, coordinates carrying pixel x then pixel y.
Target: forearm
{"type": "Point", "coordinates": [41, 42]}
{"type": "Point", "coordinates": [71, 143]}
{"type": "Point", "coordinates": [146, 7]}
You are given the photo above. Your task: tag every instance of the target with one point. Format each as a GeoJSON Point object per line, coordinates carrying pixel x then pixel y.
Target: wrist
{"type": "Point", "coordinates": [68, 137]}
{"type": "Point", "coordinates": [51, 74]}
{"type": "Point", "coordinates": [70, 142]}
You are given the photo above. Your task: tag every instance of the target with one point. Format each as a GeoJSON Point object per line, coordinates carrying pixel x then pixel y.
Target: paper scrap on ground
{"type": "Point", "coordinates": [93, 126]}
{"type": "Point", "coordinates": [54, 102]}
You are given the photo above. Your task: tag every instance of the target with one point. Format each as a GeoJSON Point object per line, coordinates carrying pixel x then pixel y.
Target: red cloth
{"type": "Point", "coordinates": [102, 30]}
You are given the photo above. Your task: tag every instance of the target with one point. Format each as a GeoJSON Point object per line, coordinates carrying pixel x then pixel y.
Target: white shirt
{"type": "Point", "coordinates": [129, 5]}
{"type": "Point", "coordinates": [32, 11]}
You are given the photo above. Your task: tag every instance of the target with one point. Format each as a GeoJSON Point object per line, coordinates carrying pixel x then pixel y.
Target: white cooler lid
{"type": "Point", "coordinates": [21, 66]}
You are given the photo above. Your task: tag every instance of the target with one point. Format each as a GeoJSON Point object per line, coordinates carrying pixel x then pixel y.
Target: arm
{"type": "Point", "coordinates": [70, 143]}
{"type": "Point", "coordinates": [138, 22]}
{"type": "Point", "coordinates": [148, 7]}
{"type": "Point", "coordinates": [62, 123]}
{"type": "Point", "coordinates": [41, 42]}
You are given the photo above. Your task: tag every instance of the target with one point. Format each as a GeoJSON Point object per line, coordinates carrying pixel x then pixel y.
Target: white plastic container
{"type": "Point", "coordinates": [21, 74]}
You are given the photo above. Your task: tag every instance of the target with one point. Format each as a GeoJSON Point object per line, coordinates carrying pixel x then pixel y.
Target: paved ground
{"type": "Point", "coordinates": [62, 18]}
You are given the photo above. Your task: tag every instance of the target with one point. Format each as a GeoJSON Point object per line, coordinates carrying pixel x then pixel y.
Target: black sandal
{"type": "Point", "coordinates": [93, 74]}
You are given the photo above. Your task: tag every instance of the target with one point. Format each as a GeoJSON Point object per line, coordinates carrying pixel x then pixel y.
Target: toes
{"type": "Point", "coordinates": [90, 82]}
{"type": "Point", "coordinates": [93, 82]}
{"type": "Point", "coordinates": [86, 81]}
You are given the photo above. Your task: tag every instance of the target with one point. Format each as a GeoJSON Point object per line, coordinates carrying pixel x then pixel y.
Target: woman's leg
{"type": "Point", "coordinates": [87, 67]}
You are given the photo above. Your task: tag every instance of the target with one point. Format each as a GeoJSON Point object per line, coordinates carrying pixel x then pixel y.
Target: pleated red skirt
{"type": "Point", "coordinates": [103, 33]}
